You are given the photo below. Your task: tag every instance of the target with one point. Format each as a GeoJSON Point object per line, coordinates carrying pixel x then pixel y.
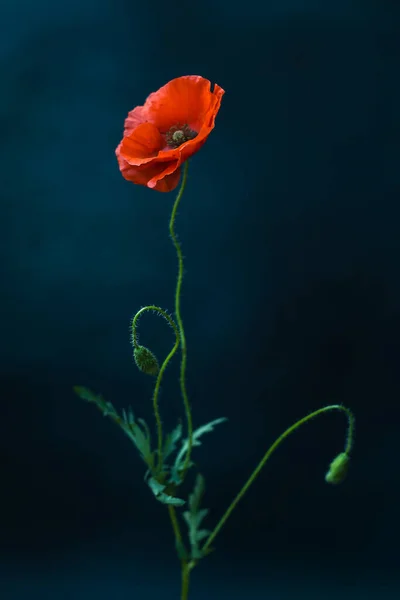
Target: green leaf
{"type": "Point", "coordinates": [177, 468]}
{"type": "Point", "coordinates": [158, 490]}
{"type": "Point", "coordinates": [194, 517]}
{"type": "Point", "coordinates": [105, 407]}
{"type": "Point", "coordinates": [138, 434]}
{"type": "Point", "coordinates": [171, 440]}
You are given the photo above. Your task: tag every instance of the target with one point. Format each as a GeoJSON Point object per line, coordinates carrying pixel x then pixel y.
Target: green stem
{"type": "Point", "coordinates": [186, 566]}
{"type": "Point", "coordinates": [175, 524]}
{"type": "Point", "coordinates": [272, 448]}
{"type": "Point", "coordinates": [186, 569]}
{"type": "Point", "coordinates": [185, 582]}
{"type": "Point", "coordinates": [182, 377]}
{"type": "Point", "coordinates": [156, 392]}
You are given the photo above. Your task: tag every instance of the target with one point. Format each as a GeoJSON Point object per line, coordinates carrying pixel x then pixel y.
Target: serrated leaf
{"type": "Point", "coordinates": [85, 393]}
{"type": "Point", "coordinates": [106, 408]}
{"type": "Point", "coordinates": [128, 417]}
{"type": "Point", "coordinates": [171, 441]}
{"type": "Point", "coordinates": [146, 428]}
{"type": "Point", "coordinates": [138, 434]}
{"type": "Point", "coordinates": [158, 490]}
{"type": "Point", "coordinates": [194, 516]}
{"type": "Point", "coordinates": [198, 515]}
{"type": "Point", "coordinates": [142, 441]}
{"type": "Point", "coordinates": [180, 459]}
{"type": "Point", "coordinates": [201, 534]}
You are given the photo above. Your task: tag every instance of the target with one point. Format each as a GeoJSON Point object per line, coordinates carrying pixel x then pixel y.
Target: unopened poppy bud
{"type": "Point", "coordinates": [146, 361]}
{"type": "Point", "coordinates": [338, 469]}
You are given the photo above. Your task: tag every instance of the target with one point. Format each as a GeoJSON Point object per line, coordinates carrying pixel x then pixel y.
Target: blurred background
{"type": "Point", "coordinates": [291, 298]}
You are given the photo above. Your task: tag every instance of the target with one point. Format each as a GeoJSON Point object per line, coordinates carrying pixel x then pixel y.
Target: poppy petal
{"type": "Point", "coordinates": [142, 144]}
{"type": "Point", "coordinates": [184, 100]}
{"type": "Point", "coordinates": [135, 117]}
{"type": "Point", "coordinates": [143, 156]}
{"type": "Point", "coordinates": [164, 176]}
{"type": "Point", "coordinates": [165, 182]}
{"type": "Point", "coordinates": [192, 146]}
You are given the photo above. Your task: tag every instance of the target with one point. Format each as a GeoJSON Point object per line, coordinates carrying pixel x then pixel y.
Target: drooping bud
{"type": "Point", "coordinates": [146, 360]}
{"type": "Point", "coordinates": [338, 469]}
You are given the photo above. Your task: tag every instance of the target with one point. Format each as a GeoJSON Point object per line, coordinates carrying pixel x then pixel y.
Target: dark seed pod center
{"type": "Point", "coordinates": [178, 135]}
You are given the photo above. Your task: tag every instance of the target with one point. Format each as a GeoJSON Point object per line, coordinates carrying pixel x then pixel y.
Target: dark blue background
{"type": "Point", "coordinates": [291, 295]}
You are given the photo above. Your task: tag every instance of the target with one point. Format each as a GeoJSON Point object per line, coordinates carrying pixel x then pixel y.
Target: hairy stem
{"type": "Point", "coordinates": [178, 289]}
{"type": "Point", "coordinates": [271, 449]}
{"type": "Point", "coordinates": [156, 392]}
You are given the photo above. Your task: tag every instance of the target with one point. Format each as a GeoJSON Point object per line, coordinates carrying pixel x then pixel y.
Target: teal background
{"type": "Point", "coordinates": [291, 295]}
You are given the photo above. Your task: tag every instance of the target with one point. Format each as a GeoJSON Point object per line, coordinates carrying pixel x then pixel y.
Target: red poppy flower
{"type": "Point", "coordinates": [172, 125]}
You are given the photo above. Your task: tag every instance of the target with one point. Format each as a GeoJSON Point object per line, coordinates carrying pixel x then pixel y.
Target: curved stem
{"type": "Point", "coordinates": [154, 309]}
{"type": "Point", "coordinates": [271, 449]}
{"type": "Point", "coordinates": [161, 313]}
{"type": "Point", "coordinates": [182, 378]}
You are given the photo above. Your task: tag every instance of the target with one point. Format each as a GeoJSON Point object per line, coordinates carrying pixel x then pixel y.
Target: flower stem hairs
{"type": "Point", "coordinates": [159, 138]}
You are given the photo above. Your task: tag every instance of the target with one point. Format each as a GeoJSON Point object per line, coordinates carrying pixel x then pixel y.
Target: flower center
{"type": "Point", "coordinates": [178, 135]}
